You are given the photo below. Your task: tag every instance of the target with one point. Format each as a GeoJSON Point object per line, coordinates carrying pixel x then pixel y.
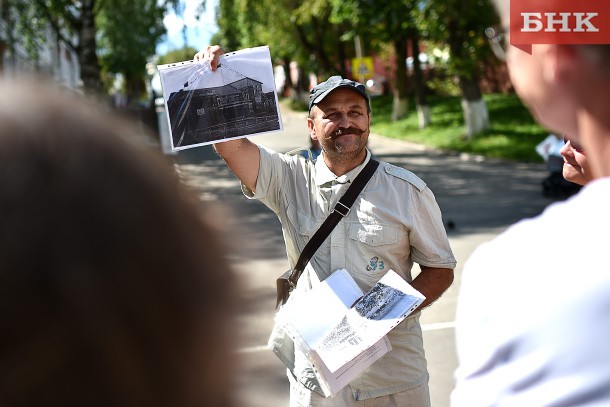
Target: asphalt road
{"type": "Point", "coordinates": [479, 198]}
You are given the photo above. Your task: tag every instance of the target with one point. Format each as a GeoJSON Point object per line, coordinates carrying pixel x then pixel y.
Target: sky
{"type": "Point", "coordinates": [199, 31]}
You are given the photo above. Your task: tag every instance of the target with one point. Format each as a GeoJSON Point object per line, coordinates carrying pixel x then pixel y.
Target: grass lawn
{"type": "Point", "coordinates": [513, 134]}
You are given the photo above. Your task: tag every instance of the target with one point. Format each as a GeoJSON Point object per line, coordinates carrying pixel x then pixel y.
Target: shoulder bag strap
{"type": "Point", "coordinates": [340, 211]}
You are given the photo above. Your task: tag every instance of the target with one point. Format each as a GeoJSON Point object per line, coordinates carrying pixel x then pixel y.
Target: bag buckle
{"type": "Point", "coordinates": [343, 210]}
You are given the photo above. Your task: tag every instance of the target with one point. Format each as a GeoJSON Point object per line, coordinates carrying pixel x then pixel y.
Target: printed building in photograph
{"type": "Point", "coordinates": [210, 114]}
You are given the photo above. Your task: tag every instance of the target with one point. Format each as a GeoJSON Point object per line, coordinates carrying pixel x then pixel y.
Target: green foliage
{"type": "Point", "coordinates": [294, 30]}
{"type": "Point", "coordinates": [443, 86]}
{"type": "Point", "coordinates": [124, 33]}
{"type": "Point", "coordinates": [227, 17]}
{"type": "Point", "coordinates": [513, 134]}
{"type": "Point", "coordinates": [71, 23]}
{"type": "Point", "coordinates": [295, 104]}
{"type": "Point", "coordinates": [28, 26]}
{"type": "Point", "coordinates": [128, 32]}
{"type": "Point", "coordinates": [460, 25]}
{"type": "Point", "coordinates": [177, 55]}
{"type": "Point", "coordinates": [377, 23]}
{"type": "Point", "coordinates": [379, 20]}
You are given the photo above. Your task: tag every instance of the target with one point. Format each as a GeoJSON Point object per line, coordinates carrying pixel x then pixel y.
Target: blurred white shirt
{"type": "Point", "coordinates": [533, 318]}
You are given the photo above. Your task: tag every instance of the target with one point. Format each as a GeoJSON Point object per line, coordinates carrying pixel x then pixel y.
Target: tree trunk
{"type": "Point", "coordinates": [476, 116]}
{"type": "Point", "coordinates": [341, 55]}
{"type": "Point", "coordinates": [288, 82]}
{"type": "Point", "coordinates": [421, 102]}
{"type": "Point", "coordinates": [87, 57]}
{"type": "Point", "coordinates": [299, 83]}
{"type": "Point", "coordinates": [400, 102]}
{"type": "Point", "coordinates": [302, 86]}
{"type": "Point", "coordinates": [134, 88]}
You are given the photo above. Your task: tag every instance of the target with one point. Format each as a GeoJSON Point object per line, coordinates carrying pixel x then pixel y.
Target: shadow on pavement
{"type": "Point", "coordinates": [473, 195]}
{"type": "Point", "coordinates": [254, 230]}
{"type": "Point", "coordinates": [476, 196]}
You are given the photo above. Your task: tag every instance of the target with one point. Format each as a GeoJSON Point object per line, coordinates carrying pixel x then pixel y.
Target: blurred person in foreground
{"type": "Point", "coordinates": [533, 318]}
{"type": "Point", "coordinates": [576, 166]}
{"type": "Point", "coordinates": [113, 288]}
{"type": "Point", "coordinates": [394, 222]}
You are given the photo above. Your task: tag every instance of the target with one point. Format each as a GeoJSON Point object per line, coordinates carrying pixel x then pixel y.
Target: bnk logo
{"type": "Point", "coordinates": [559, 22]}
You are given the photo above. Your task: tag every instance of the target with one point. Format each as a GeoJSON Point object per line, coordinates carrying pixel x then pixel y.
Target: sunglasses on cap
{"type": "Point", "coordinates": [576, 146]}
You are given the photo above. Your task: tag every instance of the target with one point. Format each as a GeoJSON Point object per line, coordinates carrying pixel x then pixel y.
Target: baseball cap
{"type": "Point", "coordinates": [323, 89]}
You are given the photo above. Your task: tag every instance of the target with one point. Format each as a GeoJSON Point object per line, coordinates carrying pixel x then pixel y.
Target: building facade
{"type": "Point", "coordinates": [54, 59]}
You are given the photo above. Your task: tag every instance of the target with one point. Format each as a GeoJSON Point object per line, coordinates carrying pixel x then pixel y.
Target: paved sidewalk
{"type": "Point", "coordinates": [479, 198]}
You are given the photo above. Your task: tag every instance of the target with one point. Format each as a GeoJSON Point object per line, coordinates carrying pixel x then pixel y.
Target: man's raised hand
{"type": "Point", "coordinates": [209, 53]}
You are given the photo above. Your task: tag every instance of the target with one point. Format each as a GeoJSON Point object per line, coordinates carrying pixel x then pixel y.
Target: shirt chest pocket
{"type": "Point", "coordinates": [301, 223]}
{"type": "Point", "coordinates": [373, 234]}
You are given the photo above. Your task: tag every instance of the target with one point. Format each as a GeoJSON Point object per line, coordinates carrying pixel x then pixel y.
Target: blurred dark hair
{"type": "Point", "coordinates": [114, 290]}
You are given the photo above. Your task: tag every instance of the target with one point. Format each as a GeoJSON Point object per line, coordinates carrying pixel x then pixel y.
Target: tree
{"type": "Point", "coordinates": [389, 21]}
{"type": "Point", "coordinates": [125, 32]}
{"type": "Point", "coordinates": [460, 25]}
{"type": "Point", "coordinates": [421, 100]}
{"type": "Point", "coordinates": [128, 32]}
{"type": "Point", "coordinates": [74, 24]}
{"type": "Point", "coordinates": [228, 34]}
{"type": "Point", "coordinates": [244, 23]}
{"type": "Point", "coordinates": [18, 16]}
{"type": "Point", "coordinates": [294, 30]}
{"type": "Point", "coordinates": [176, 55]}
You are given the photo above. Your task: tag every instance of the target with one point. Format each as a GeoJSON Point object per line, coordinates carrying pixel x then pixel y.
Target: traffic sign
{"type": "Point", "coordinates": [362, 68]}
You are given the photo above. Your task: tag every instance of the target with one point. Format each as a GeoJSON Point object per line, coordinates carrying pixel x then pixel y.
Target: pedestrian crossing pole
{"type": "Point", "coordinates": [362, 67]}
{"type": "Point", "coordinates": [358, 46]}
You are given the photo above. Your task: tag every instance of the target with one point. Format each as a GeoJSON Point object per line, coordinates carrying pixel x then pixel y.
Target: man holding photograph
{"type": "Point", "coordinates": [394, 222]}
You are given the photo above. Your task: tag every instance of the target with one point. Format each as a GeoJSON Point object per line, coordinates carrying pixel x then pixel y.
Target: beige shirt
{"type": "Point", "coordinates": [394, 222]}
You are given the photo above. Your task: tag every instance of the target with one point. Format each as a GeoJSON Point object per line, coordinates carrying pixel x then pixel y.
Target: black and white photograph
{"type": "Point", "coordinates": [380, 303]}
{"type": "Point", "coordinates": [237, 100]}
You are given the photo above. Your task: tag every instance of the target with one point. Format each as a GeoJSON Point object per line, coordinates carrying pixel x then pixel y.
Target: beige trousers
{"type": "Point", "coordinates": [301, 397]}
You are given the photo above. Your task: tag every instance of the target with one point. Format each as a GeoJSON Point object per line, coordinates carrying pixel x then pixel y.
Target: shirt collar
{"type": "Point", "coordinates": [325, 176]}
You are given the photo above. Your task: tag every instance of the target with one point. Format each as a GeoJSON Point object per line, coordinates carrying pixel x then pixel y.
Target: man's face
{"type": "Point", "coordinates": [576, 166]}
{"type": "Point", "coordinates": [340, 122]}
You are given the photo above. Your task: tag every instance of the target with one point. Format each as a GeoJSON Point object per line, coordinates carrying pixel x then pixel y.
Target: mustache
{"type": "Point", "coordinates": [349, 130]}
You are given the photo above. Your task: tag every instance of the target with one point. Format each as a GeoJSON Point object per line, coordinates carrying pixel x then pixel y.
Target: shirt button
{"type": "Point", "coordinates": [334, 246]}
